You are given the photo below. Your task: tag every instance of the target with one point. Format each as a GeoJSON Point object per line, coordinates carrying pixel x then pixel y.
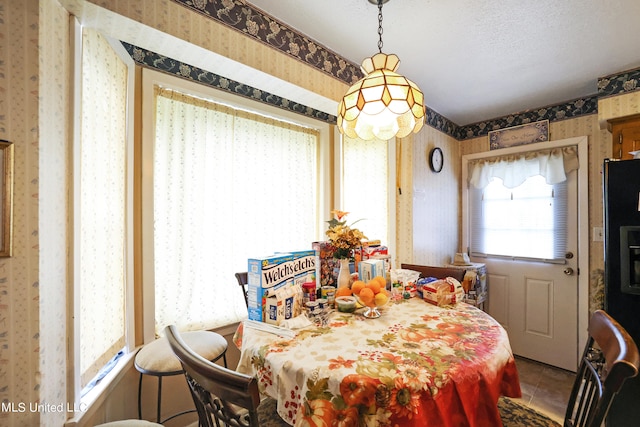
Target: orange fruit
{"type": "Point", "coordinates": [381, 299]}
{"type": "Point", "coordinates": [381, 280]}
{"type": "Point", "coordinates": [374, 285]}
{"type": "Point", "coordinates": [366, 296]}
{"type": "Point", "coordinates": [357, 286]}
{"type": "Point", "coordinates": [343, 292]}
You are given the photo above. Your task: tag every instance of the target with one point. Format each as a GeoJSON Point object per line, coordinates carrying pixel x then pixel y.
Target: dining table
{"type": "Point", "coordinates": [418, 364]}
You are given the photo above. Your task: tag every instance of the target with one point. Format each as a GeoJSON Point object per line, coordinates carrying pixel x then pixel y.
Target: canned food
{"type": "Point", "coordinates": [324, 291]}
{"type": "Point", "coordinates": [308, 291]}
{"type": "Point", "coordinates": [331, 299]}
{"type": "Point", "coordinates": [312, 306]}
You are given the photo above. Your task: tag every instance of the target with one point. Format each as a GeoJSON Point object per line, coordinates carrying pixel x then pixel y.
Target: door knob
{"type": "Point", "coordinates": [568, 271]}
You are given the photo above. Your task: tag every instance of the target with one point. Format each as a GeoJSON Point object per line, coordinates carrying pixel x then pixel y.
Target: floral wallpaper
{"type": "Point", "coordinates": [19, 274]}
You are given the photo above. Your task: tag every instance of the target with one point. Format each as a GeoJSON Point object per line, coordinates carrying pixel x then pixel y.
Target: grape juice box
{"type": "Point", "coordinates": [304, 266]}
{"type": "Point", "coordinates": [264, 276]}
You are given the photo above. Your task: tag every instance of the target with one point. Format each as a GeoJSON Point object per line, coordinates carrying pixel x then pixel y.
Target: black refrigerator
{"type": "Point", "coordinates": [621, 179]}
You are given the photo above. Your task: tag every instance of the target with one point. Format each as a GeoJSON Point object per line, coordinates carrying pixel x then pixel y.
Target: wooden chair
{"type": "Point", "coordinates": [222, 396]}
{"type": "Point", "coordinates": [437, 272]}
{"type": "Point", "coordinates": [610, 357]}
{"type": "Point", "coordinates": [242, 282]}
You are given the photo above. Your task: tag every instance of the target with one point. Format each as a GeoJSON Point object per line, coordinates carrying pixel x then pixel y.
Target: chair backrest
{"type": "Point", "coordinates": [437, 272]}
{"type": "Point", "coordinates": [610, 357]}
{"type": "Point", "coordinates": [242, 282]}
{"type": "Point", "coordinates": [220, 394]}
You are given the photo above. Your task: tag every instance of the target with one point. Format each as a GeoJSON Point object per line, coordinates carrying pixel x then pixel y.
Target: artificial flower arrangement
{"type": "Point", "coordinates": [343, 237]}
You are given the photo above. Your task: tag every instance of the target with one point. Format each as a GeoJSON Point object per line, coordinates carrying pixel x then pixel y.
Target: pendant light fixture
{"type": "Point", "coordinates": [383, 104]}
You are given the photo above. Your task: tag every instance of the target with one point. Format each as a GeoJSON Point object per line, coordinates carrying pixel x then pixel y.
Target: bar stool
{"type": "Point", "coordinates": [157, 359]}
{"type": "Point", "coordinates": [129, 423]}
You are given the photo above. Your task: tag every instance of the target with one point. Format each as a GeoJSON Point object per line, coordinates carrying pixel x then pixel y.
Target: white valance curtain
{"type": "Point", "coordinates": [552, 164]}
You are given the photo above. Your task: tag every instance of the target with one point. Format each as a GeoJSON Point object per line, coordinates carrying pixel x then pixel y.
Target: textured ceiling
{"type": "Point", "coordinates": [480, 59]}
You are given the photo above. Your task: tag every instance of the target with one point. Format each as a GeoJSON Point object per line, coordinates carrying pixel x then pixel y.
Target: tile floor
{"type": "Point", "coordinates": [544, 387]}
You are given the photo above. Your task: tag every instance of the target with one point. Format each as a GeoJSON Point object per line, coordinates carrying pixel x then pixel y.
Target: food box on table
{"type": "Point", "coordinates": [370, 268]}
{"type": "Point", "coordinates": [283, 304]}
{"type": "Point", "coordinates": [327, 264]}
{"type": "Point", "coordinates": [304, 266]}
{"type": "Point", "coordinates": [264, 276]}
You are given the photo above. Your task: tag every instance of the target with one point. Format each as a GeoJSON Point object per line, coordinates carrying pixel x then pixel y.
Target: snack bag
{"type": "Point", "coordinates": [403, 283]}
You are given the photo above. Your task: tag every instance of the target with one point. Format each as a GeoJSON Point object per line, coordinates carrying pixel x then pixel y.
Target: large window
{"type": "Point", "coordinates": [101, 246]}
{"type": "Point", "coordinates": [365, 186]}
{"type": "Point", "coordinates": [228, 184]}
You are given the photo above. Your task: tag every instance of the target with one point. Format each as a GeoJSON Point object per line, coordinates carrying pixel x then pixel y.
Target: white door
{"type": "Point", "coordinates": [537, 301]}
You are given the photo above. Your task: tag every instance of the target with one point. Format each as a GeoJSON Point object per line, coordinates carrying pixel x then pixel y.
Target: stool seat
{"type": "Point", "coordinates": [156, 358]}
{"type": "Point", "coordinates": [130, 423]}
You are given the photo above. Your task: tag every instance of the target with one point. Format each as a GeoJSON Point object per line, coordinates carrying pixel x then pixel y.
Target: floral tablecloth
{"type": "Point", "coordinates": [416, 365]}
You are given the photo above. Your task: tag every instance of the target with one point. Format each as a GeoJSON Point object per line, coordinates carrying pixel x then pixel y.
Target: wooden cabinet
{"type": "Point", "coordinates": [626, 136]}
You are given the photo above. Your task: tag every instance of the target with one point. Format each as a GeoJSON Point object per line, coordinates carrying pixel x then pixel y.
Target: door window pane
{"type": "Point", "coordinates": [528, 221]}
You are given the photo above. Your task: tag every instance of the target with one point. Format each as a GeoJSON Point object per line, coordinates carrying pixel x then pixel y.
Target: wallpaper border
{"type": "Point", "coordinates": [257, 24]}
{"type": "Point", "coordinates": [553, 113]}
{"type": "Point", "coordinates": [176, 68]}
{"type": "Point", "coordinates": [619, 83]}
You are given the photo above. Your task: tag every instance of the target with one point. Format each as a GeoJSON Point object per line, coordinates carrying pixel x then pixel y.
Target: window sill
{"type": "Point", "coordinates": [94, 399]}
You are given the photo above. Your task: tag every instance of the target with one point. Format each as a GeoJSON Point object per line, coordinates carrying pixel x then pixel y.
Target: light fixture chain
{"type": "Point", "coordinates": [380, 25]}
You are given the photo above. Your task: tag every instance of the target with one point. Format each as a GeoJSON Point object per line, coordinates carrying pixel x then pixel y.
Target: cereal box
{"type": "Point", "coordinates": [327, 266]}
{"type": "Point", "coordinates": [265, 275]}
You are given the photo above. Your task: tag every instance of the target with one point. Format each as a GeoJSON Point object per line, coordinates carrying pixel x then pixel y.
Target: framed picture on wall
{"type": "Point", "coordinates": [6, 206]}
{"type": "Point", "coordinates": [519, 135]}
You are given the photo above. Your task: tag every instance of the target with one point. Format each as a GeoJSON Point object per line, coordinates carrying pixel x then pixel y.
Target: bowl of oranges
{"type": "Point", "coordinates": [372, 295]}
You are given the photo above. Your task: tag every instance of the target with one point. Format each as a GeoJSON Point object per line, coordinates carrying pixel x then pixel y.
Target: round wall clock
{"type": "Point", "coordinates": [436, 159]}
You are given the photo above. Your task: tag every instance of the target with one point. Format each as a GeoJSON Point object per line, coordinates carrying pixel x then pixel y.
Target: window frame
{"type": "Point", "coordinates": [97, 395]}
{"type": "Point", "coordinates": [149, 79]}
{"type": "Point", "coordinates": [338, 200]}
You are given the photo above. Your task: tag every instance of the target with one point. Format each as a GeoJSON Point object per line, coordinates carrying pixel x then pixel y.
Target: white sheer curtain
{"type": "Point", "coordinates": [552, 164]}
{"type": "Point", "coordinates": [102, 206]}
{"type": "Point", "coordinates": [365, 186]}
{"type": "Point", "coordinates": [228, 185]}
